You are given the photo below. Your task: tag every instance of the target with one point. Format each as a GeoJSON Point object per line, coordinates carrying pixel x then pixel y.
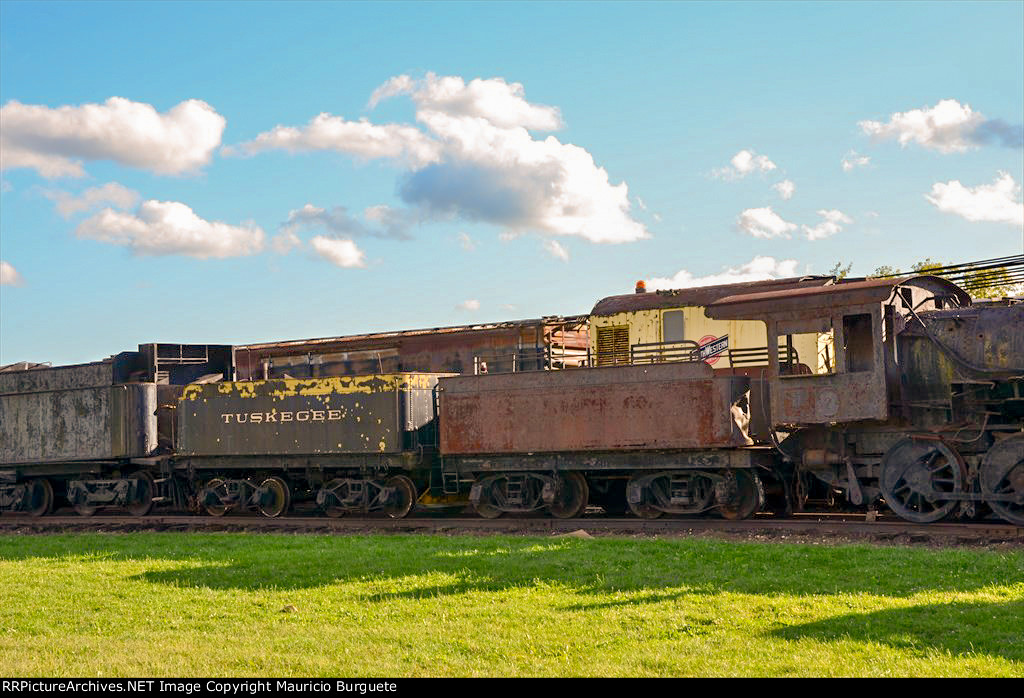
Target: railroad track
{"type": "Point", "coordinates": [835, 526]}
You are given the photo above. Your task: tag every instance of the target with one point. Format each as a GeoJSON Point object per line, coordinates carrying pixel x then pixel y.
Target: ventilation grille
{"type": "Point", "coordinates": [612, 345]}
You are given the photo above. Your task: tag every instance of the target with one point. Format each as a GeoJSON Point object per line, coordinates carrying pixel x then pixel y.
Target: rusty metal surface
{"type": "Point", "coordinates": [699, 296]}
{"type": "Point", "coordinates": [664, 406]}
{"type": "Point", "coordinates": [91, 375]}
{"type": "Point", "coordinates": [437, 350]}
{"type": "Point", "coordinates": [746, 305]}
{"type": "Point", "coordinates": [78, 424]}
{"type": "Point", "coordinates": [986, 336]}
{"type": "Point", "coordinates": [385, 413]}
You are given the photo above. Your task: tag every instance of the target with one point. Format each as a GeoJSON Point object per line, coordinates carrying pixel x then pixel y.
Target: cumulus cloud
{"type": "Point", "coordinates": [757, 269]}
{"type": "Point", "coordinates": [171, 227]}
{"type": "Point", "coordinates": [833, 223]}
{"type": "Point", "coordinates": [505, 176]}
{"type": "Point", "coordinates": [744, 163]}
{"type": "Point", "coordinates": [360, 138]}
{"type": "Point", "coordinates": [9, 276]}
{"type": "Point", "coordinates": [340, 252]}
{"type": "Point", "coordinates": [764, 223]}
{"type": "Point", "coordinates": [948, 127]}
{"type": "Point", "coordinates": [119, 195]}
{"type": "Point", "coordinates": [786, 189]}
{"type": "Point", "coordinates": [996, 202]}
{"type": "Point", "coordinates": [556, 250]}
{"type": "Point", "coordinates": [853, 160]}
{"type": "Point", "coordinates": [55, 141]}
{"type": "Point", "coordinates": [477, 160]}
{"type": "Point", "coordinates": [468, 305]}
{"type": "Point", "coordinates": [498, 102]}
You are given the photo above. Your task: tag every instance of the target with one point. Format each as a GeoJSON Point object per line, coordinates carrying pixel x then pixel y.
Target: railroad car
{"type": "Point", "coordinates": [91, 434]}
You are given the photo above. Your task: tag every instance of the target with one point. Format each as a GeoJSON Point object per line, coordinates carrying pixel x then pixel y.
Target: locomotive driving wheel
{"type": "Point", "coordinates": [917, 478]}
{"type": "Point", "coordinates": [276, 499]}
{"type": "Point", "coordinates": [1002, 475]}
{"type": "Point", "coordinates": [401, 502]}
{"type": "Point", "coordinates": [143, 501]}
{"type": "Point", "coordinates": [39, 497]}
{"type": "Point", "coordinates": [571, 496]}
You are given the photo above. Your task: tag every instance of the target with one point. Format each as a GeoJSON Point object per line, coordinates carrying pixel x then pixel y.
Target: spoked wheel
{"type": "Point", "coordinates": [143, 502]}
{"type": "Point", "coordinates": [743, 497]}
{"type": "Point", "coordinates": [1002, 474]}
{"type": "Point", "coordinates": [218, 486]}
{"type": "Point", "coordinates": [643, 510]}
{"type": "Point", "coordinates": [339, 487]}
{"type": "Point", "coordinates": [917, 477]}
{"type": "Point", "coordinates": [84, 509]}
{"type": "Point", "coordinates": [403, 499]}
{"type": "Point", "coordinates": [571, 496]}
{"type": "Point", "coordinates": [277, 498]}
{"type": "Point", "coordinates": [39, 497]}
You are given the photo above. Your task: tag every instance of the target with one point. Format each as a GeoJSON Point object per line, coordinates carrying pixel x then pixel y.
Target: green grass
{"type": "Point", "coordinates": [397, 605]}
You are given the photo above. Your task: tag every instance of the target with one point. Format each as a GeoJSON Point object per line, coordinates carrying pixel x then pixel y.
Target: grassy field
{"type": "Point", "coordinates": [398, 605]}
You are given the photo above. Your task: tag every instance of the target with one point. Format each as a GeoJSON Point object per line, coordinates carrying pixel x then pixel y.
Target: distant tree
{"type": "Point", "coordinates": [885, 270]}
{"type": "Point", "coordinates": [928, 264]}
{"type": "Point", "coordinates": [990, 283]}
{"type": "Point", "coordinates": [839, 271]}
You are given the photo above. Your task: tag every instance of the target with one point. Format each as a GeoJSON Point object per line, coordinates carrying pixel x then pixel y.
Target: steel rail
{"type": "Point", "coordinates": [830, 525]}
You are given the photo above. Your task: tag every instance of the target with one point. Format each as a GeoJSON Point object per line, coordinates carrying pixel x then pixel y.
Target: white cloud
{"type": "Point", "coordinates": [556, 250]}
{"type": "Point", "coordinates": [361, 139]}
{"type": "Point", "coordinates": [467, 243]}
{"type": "Point", "coordinates": [786, 189]}
{"type": "Point", "coordinates": [170, 227]}
{"type": "Point", "coordinates": [764, 223]}
{"type": "Point", "coordinates": [110, 193]}
{"type": "Point", "coordinates": [744, 163]}
{"type": "Point", "coordinates": [833, 223]}
{"type": "Point", "coordinates": [853, 159]}
{"type": "Point", "coordinates": [477, 160]}
{"type": "Point", "coordinates": [54, 142]}
{"type": "Point", "coordinates": [378, 221]}
{"type": "Point", "coordinates": [948, 127]}
{"type": "Point", "coordinates": [996, 202]}
{"type": "Point", "coordinates": [9, 276]}
{"type": "Point", "coordinates": [340, 252]}
{"type": "Point", "coordinates": [498, 102]}
{"type": "Point", "coordinates": [285, 240]}
{"type": "Point", "coordinates": [504, 176]}
{"type": "Point", "coordinates": [468, 305]}
{"type": "Point", "coordinates": [757, 269]}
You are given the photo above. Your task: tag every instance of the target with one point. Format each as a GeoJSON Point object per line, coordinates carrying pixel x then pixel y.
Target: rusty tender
{"type": "Point", "coordinates": [868, 393]}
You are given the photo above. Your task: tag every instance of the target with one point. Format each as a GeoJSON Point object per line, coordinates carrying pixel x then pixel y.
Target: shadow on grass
{"type": "Point", "coordinates": [960, 628]}
{"type": "Point", "coordinates": [659, 569]}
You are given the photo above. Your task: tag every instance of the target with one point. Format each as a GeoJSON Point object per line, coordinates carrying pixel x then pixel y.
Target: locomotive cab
{"type": "Point", "coordinates": [855, 373]}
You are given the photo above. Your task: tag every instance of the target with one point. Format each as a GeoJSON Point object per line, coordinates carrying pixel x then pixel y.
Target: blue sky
{"type": "Point", "coordinates": [166, 178]}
